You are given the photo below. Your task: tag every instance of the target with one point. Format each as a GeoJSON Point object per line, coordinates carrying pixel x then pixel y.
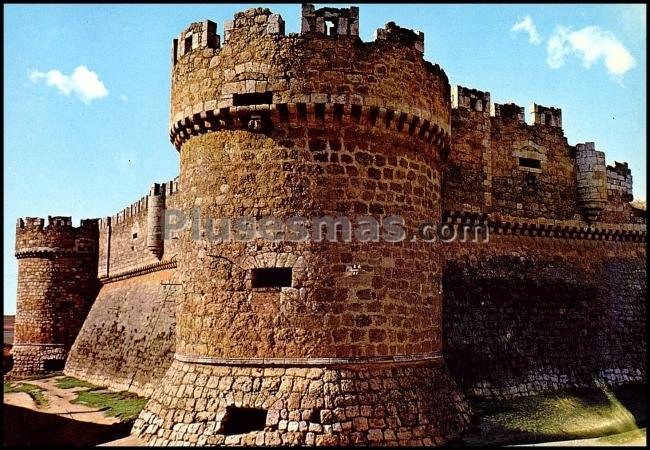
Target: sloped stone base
{"type": "Point", "coordinates": [410, 403]}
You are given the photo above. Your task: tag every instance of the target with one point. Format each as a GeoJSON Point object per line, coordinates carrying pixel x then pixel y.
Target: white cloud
{"type": "Point", "coordinates": [591, 44]}
{"type": "Point", "coordinates": [84, 83]}
{"type": "Point", "coordinates": [527, 25]}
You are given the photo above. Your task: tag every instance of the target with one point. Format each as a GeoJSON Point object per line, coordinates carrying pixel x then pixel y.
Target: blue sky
{"type": "Point", "coordinates": [87, 89]}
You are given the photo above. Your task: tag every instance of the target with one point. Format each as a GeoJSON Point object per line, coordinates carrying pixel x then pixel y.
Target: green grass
{"type": "Point", "coordinates": [124, 405]}
{"type": "Point", "coordinates": [624, 438]}
{"type": "Point", "coordinates": [565, 415]}
{"type": "Point", "coordinates": [72, 382]}
{"type": "Point", "coordinates": [35, 392]}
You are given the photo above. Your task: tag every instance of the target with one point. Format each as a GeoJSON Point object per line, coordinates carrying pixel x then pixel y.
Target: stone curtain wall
{"type": "Point", "coordinates": [127, 341]}
{"type": "Point", "coordinates": [524, 314]}
{"type": "Point", "coordinates": [125, 238]}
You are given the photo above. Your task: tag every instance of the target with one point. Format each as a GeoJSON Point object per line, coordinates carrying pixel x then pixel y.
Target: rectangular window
{"type": "Point", "coordinates": [272, 277]}
{"type": "Point", "coordinates": [255, 98]}
{"type": "Point", "coordinates": [530, 162]}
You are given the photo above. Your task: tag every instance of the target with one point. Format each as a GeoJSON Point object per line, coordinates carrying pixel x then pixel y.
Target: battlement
{"type": "Point", "coordinates": [34, 238]}
{"type": "Point", "coordinates": [59, 223]}
{"type": "Point", "coordinates": [134, 209]}
{"type": "Point", "coordinates": [330, 21]}
{"type": "Point", "coordinates": [198, 35]}
{"type": "Point", "coordinates": [619, 182]}
{"type": "Point", "coordinates": [254, 20]}
{"type": "Point", "coordinates": [542, 115]}
{"type": "Point", "coordinates": [405, 36]}
{"type": "Point", "coordinates": [473, 99]}
{"type": "Point", "coordinates": [508, 111]}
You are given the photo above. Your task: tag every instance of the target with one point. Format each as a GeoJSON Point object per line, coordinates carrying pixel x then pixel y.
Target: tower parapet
{"type": "Point", "coordinates": [619, 182]}
{"type": "Point", "coordinates": [508, 111]}
{"type": "Point", "coordinates": [592, 180]}
{"type": "Point", "coordinates": [472, 99]}
{"type": "Point", "coordinates": [199, 35]}
{"type": "Point", "coordinates": [405, 36]}
{"type": "Point", "coordinates": [548, 116]}
{"type": "Point", "coordinates": [57, 270]}
{"type": "Point", "coordinates": [337, 127]}
{"type": "Point", "coordinates": [330, 21]}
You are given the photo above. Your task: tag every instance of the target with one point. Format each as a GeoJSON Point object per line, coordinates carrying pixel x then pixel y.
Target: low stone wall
{"type": "Point", "coordinates": [127, 341]}
{"type": "Point", "coordinates": [37, 359]}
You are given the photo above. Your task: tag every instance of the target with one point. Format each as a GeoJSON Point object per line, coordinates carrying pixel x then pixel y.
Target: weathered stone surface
{"type": "Point", "coordinates": [349, 351]}
{"type": "Point", "coordinates": [127, 341]}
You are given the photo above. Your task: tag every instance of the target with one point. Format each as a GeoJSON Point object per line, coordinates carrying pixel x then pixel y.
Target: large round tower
{"type": "Point", "coordinates": [307, 342]}
{"type": "Point", "coordinates": [57, 283]}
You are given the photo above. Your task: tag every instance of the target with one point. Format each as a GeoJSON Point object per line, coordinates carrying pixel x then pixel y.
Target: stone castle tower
{"type": "Point", "coordinates": [288, 339]}
{"type": "Point", "coordinates": [57, 284]}
{"type": "Point", "coordinates": [292, 340]}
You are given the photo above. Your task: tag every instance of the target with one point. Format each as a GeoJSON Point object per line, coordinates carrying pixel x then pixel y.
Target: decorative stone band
{"type": "Point", "coordinates": [149, 268]}
{"type": "Point", "coordinates": [547, 228]}
{"type": "Point", "coordinates": [259, 117]}
{"type": "Point", "coordinates": [44, 252]}
{"type": "Point", "coordinates": [302, 362]}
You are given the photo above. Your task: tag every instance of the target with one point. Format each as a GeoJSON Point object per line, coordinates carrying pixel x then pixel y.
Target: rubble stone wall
{"type": "Point", "coordinates": [127, 341]}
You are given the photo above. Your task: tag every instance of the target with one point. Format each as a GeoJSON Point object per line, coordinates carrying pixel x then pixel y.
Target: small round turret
{"type": "Point", "coordinates": [57, 272]}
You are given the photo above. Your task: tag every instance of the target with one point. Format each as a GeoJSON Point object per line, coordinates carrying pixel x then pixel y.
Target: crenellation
{"type": "Point", "coordinates": [318, 336]}
{"type": "Point", "coordinates": [542, 115]}
{"type": "Point", "coordinates": [394, 33]}
{"type": "Point", "coordinates": [199, 35]}
{"type": "Point", "coordinates": [330, 21]}
{"type": "Point", "coordinates": [472, 99]}
{"type": "Point", "coordinates": [508, 111]}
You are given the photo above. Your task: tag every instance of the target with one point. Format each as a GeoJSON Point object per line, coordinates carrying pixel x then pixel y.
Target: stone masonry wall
{"type": "Point", "coordinates": [127, 341]}
{"type": "Point", "coordinates": [57, 266]}
{"type": "Point", "coordinates": [526, 314]}
{"type": "Point", "coordinates": [398, 404]}
{"type": "Point", "coordinates": [498, 163]}
{"type": "Point", "coordinates": [123, 237]}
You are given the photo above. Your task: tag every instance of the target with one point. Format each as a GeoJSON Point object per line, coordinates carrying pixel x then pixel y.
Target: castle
{"type": "Point", "coordinates": [337, 343]}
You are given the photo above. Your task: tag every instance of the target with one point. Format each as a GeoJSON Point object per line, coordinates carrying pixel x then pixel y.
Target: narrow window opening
{"type": "Point", "coordinates": [330, 30]}
{"type": "Point", "coordinates": [135, 235]}
{"type": "Point", "coordinates": [254, 98]}
{"type": "Point", "coordinates": [530, 162]}
{"type": "Point", "coordinates": [188, 44]}
{"type": "Point", "coordinates": [243, 420]}
{"type": "Point", "coordinates": [272, 277]}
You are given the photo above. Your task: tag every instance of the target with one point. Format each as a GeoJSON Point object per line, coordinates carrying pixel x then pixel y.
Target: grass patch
{"type": "Point", "coordinates": [35, 392]}
{"type": "Point", "coordinates": [624, 438]}
{"type": "Point", "coordinates": [124, 405]}
{"type": "Point", "coordinates": [565, 415]}
{"type": "Point", "coordinates": [72, 382]}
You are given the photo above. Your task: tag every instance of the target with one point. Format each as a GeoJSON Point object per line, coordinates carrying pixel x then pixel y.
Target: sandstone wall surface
{"type": "Point", "coordinates": [525, 314]}
{"type": "Point", "coordinates": [127, 341]}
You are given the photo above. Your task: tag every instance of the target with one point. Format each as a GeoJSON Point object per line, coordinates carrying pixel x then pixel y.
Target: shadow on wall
{"type": "Point", "coordinates": [24, 427]}
{"type": "Point", "coordinates": [516, 327]}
